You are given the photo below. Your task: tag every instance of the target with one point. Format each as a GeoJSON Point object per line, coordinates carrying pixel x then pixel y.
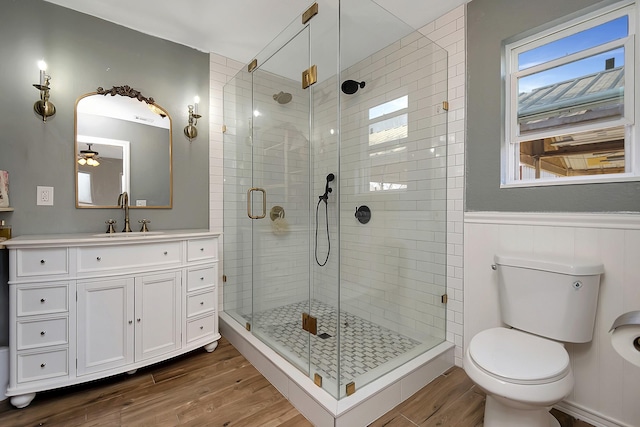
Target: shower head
{"type": "Point", "coordinates": [282, 97]}
{"type": "Point", "coordinates": [327, 189]}
{"type": "Point", "coordinates": [350, 87]}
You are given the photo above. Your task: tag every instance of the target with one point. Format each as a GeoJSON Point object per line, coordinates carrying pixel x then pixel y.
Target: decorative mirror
{"type": "Point", "coordinates": [122, 143]}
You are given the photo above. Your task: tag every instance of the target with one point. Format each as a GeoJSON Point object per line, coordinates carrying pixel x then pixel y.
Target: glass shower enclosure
{"type": "Point", "coordinates": [335, 161]}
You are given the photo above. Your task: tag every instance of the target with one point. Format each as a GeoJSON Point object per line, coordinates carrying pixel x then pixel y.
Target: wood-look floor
{"type": "Point", "coordinates": [223, 389]}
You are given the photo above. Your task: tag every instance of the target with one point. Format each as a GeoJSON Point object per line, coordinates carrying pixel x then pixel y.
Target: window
{"type": "Point", "coordinates": [388, 129]}
{"type": "Point", "coordinates": [569, 102]}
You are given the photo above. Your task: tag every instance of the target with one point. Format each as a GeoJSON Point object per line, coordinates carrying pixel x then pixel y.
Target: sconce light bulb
{"type": "Point", "coordinates": [43, 67]}
{"type": "Point", "coordinates": [196, 99]}
{"type": "Point", "coordinates": [82, 162]}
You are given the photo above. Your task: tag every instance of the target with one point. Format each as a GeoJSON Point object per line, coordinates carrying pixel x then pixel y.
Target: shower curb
{"type": "Point", "coordinates": [362, 408]}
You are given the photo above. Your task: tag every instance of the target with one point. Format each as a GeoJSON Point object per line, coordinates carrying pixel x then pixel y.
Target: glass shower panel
{"type": "Point", "coordinates": [280, 162]}
{"type": "Point", "coordinates": [237, 165]}
{"type": "Point", "coordinates": [324, 239]}
{"type": "Point", "coordinates": [393, 151]}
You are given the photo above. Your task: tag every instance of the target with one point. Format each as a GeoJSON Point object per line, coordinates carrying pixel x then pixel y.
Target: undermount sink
{"type": "Point", "coordinates": [132, 234]}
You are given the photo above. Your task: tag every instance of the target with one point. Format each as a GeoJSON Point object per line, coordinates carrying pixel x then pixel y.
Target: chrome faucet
{"type": "Point", "coordinates": [123, 202]}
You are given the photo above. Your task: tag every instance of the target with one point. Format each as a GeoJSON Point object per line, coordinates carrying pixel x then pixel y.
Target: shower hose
{"type": "Point", "coordinates": [326, 215]}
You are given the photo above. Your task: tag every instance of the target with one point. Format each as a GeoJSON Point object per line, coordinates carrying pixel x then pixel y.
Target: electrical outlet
{"type": "Point", "coordinates": [45, 196]}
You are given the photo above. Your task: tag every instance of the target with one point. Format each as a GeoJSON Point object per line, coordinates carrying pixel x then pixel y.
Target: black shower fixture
{"type": "Point", "coordinates": [351, 86]}
{"type": "Point", "coordinates": [327, 189]}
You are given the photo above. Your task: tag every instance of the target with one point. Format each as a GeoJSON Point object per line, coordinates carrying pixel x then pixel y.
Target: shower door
{"type": "Point", "coordinates": [278, 200]}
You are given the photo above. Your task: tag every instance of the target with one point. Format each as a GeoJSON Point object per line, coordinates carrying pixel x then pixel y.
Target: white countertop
{"type": "Point", "coordinates": [86, 239]}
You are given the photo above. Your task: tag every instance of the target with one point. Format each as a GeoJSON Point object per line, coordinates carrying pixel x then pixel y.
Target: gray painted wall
{"type": "Point", "coordinates": [489, 23]}
{"type": "Point", "coordinates": [83, 53]}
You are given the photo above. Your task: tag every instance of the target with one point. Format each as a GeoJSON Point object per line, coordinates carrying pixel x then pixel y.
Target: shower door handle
{"type": "Point", "coordinates": [264, 203]}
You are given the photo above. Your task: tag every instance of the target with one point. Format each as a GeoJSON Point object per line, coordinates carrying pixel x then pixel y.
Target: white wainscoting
{"type": "Point", "coordinates": [607, 388]}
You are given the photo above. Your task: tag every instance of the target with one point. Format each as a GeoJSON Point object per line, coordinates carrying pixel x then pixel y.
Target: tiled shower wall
{"type": "Point", "coordinates": [448, 32]}
{"type": "Point", "coordinates": [392, 269]}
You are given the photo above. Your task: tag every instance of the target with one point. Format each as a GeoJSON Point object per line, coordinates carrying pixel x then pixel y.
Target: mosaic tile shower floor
{"type": "Point", "coordinates": [365, 345]}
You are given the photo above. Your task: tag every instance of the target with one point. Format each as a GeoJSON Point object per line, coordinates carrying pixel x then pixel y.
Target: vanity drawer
{"type": "Point", "coordinates": [201, 327]}
{"type": "Point", "coordinates": [41, 262]}
{"type": "Point", "coordinates": [42, 333]}
{"type": "Point", "coordinates": [201, 303]}
{"type": "Point", "coordinates": [200, 278]}
{"type": "Point", "coordinates": [42, 300]}
{"type": "Point", "coordinates": [40, 366]}
{"type": "Point", "coordinates": [101, 258]}
{"type": "Point", "coordinates": [200, 249]}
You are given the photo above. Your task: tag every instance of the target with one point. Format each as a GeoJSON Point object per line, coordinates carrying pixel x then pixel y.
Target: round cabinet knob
{"type": "Point", "coordinates": [130, 321]}
{"type": "Point", "coordinates": [201, 302]}
{"type": "Point", "coordinates": [99, 258]}
{"type": "Point", "coordinates": [42, 333]}
{"type": "Point", "coordinates": [202, 278]}
{"type": "Point", "coordinates": [165, 252]}
{"type": "Point", "coordinates": [42, 300]}
{"type": "Point", "coordinates": [138, 319]}
{"type": "Point", "coordinates": [201, 327]}
{"type": "Point", "coordinates": [42, 261]}
{"type": "Point", "coordinates": [202, 249]}
{"type": "Point", "coordinates": [42, 365]}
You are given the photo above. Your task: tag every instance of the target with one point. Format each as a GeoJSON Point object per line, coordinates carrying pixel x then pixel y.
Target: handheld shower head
{"type": "Point", "coordinates": [327, 189]}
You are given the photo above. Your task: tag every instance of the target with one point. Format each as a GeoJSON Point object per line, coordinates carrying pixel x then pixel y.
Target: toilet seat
{"type": "Point", "coordinates": [519, 358]}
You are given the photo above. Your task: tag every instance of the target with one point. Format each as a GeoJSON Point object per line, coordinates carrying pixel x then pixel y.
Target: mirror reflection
{"type": "Point", "coordinates": [123, 143]}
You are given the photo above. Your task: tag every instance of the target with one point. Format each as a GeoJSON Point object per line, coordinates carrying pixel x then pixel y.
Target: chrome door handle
{"type": "Point", "coordinates": [264, 203]}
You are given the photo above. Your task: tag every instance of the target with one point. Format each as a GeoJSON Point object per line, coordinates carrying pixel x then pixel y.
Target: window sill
{"type": "Point", "coordinates": [571, 181]}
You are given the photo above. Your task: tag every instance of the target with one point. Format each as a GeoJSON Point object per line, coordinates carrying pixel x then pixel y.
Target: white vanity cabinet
{"type": "Point", "coordinates": [87, 307]}
{"type": "Point", "coordinates": [123, 320]}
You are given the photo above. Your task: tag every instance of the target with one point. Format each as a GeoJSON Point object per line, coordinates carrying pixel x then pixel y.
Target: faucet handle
{"type": "Point", "coordinates": [144, 223]}
{"type": "Point", "coordinates": [110, 222]}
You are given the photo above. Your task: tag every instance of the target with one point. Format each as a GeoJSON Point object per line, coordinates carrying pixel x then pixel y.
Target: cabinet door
{"type": "Point", "coordinates": [158, 312]}
{"type": "Point", "coordinates": [105, 324]}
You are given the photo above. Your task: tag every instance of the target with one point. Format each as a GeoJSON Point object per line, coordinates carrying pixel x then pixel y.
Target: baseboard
{"type": "Point", "coordinates": [594, 418]}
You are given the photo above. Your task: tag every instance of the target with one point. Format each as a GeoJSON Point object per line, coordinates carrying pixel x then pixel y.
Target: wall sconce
{"type": "Point", "coordinates": [88, 157]}
{"type": "Point", "coordinates": [190, 130]}
{"type": "Point", "coordinates": [44, 107]}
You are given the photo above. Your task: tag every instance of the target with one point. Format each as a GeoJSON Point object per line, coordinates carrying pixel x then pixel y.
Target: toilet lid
{"type": "Point", "coordinates": [518, 357]}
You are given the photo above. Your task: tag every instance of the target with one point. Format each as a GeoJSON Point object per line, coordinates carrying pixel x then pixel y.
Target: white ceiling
{"type": "Point", "coordinates": [237, 29]}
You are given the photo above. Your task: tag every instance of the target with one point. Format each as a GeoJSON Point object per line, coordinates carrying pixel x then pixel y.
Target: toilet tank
{"type": "Point", "coordinates": [549, 297]}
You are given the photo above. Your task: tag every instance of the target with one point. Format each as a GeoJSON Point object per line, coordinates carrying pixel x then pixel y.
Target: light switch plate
{"type": "Point", "coordinates": [45, 196]}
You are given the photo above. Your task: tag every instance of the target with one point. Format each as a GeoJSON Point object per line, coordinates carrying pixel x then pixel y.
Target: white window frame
{"type": "Point", "coordinates": [511, 136]}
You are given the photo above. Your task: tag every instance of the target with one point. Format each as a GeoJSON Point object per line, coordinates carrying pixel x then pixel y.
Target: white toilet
{"type": "Point", "coordinates": [525, 369]}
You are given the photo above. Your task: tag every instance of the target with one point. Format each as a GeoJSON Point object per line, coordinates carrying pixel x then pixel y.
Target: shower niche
{"type": "Point", "coordinates": [336, 97]}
